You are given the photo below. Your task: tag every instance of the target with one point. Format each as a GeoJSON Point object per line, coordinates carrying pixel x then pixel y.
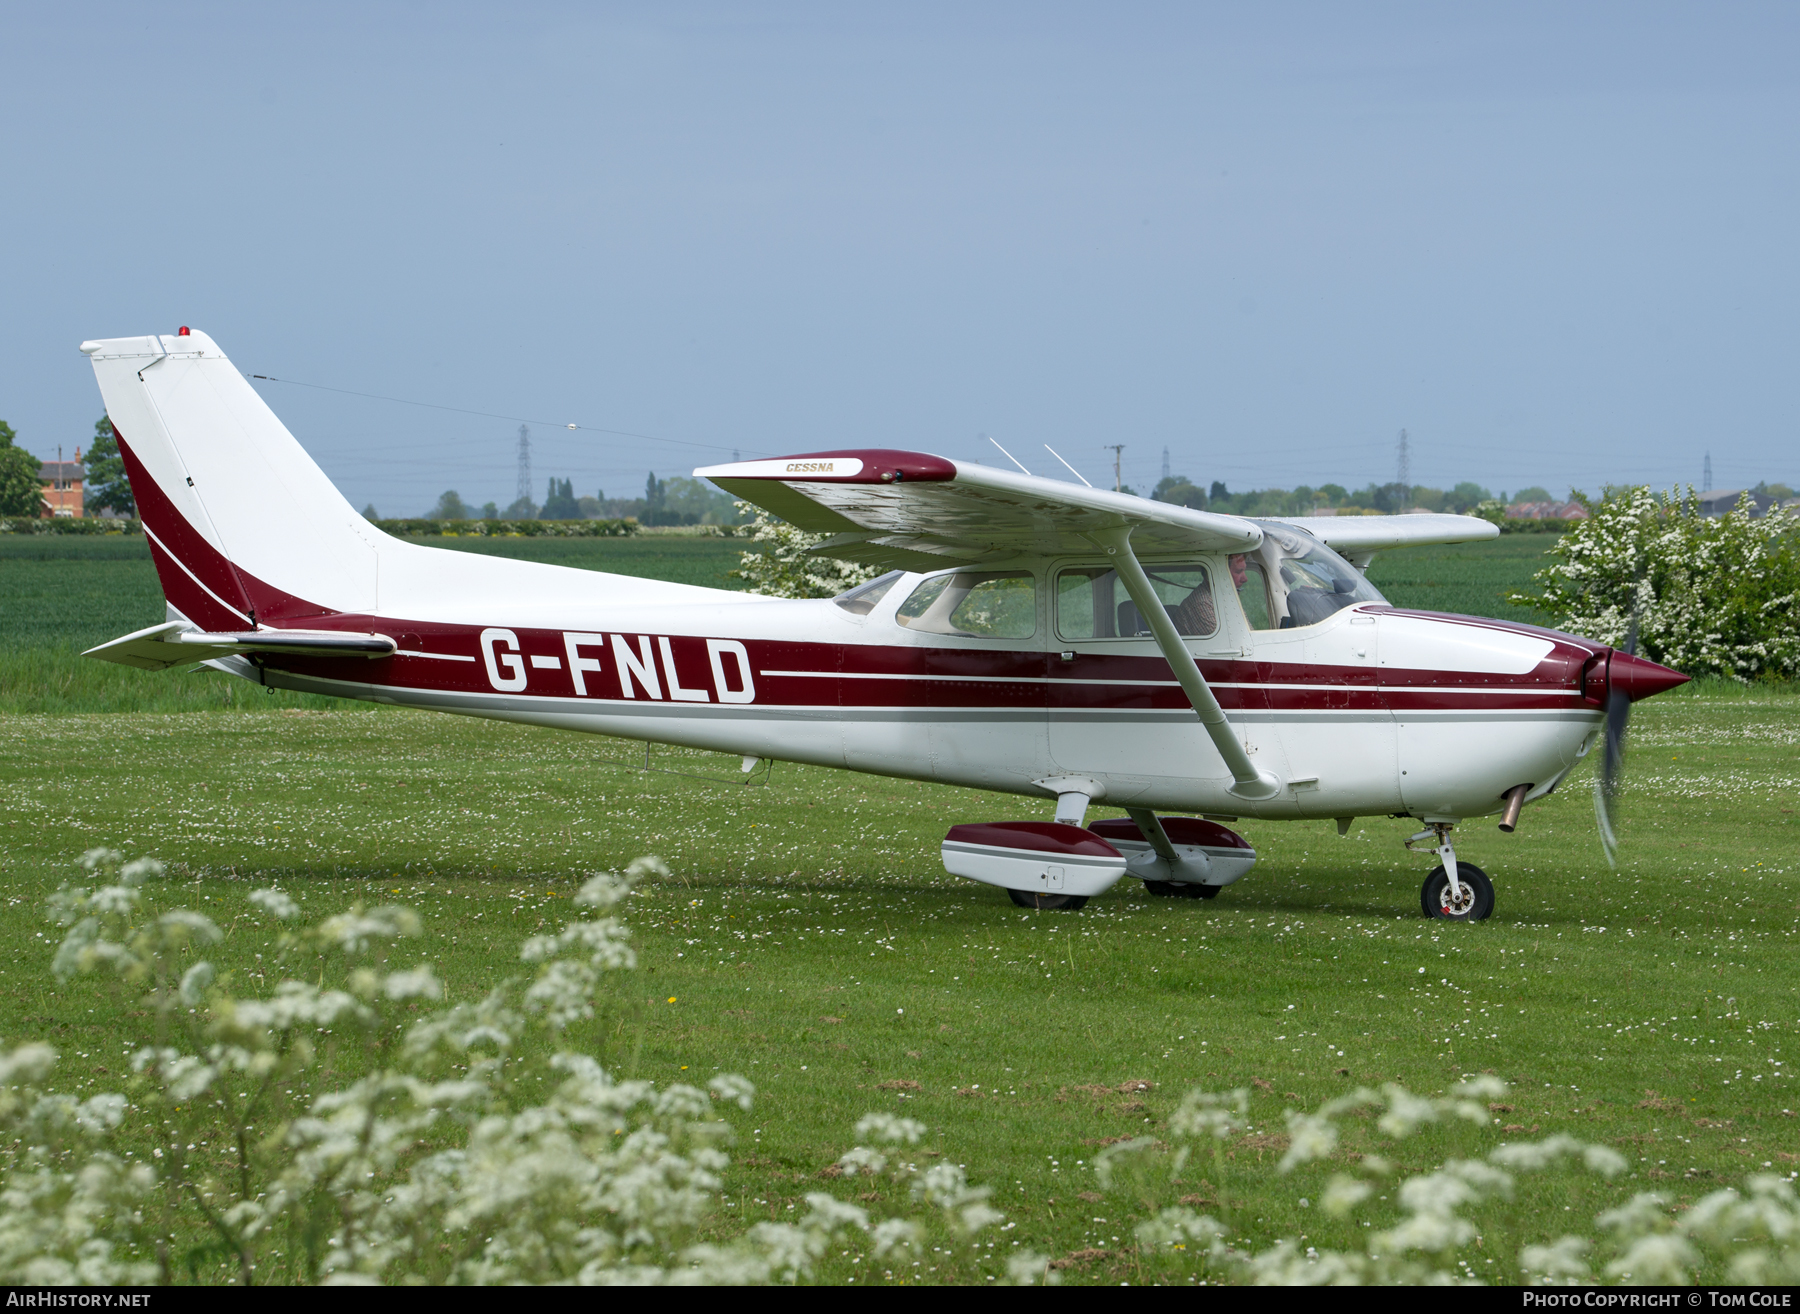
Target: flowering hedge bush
{"type": "Point", "coordinates": [782, 564]}
{"type": "Point", "coordinates": [1710, 596]}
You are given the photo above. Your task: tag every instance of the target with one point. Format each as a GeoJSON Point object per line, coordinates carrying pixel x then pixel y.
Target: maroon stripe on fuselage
{"type": "Point", "coordinates": [797, 674]}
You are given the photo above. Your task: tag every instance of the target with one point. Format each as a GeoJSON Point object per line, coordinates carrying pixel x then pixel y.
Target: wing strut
{"type": "Point", "coordinates": [1252, 785]}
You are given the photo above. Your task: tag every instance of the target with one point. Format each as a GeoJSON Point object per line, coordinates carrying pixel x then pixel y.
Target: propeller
{"type": "Point", "coordinates": [1612, 758]}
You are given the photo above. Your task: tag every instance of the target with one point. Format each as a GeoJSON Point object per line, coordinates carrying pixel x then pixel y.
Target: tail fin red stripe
{"type": "Point", "coordinates": [196, 578]}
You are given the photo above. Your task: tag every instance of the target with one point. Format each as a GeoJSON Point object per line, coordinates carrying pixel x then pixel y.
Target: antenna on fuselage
{"type": "Point", "coordinates": [1008, 455]}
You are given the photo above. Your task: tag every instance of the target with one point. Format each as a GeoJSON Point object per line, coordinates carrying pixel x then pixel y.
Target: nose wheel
{"type": "Point", "coordinates": [1472, 901]}
{"type": "Point", "coordinates": [1455, 891]}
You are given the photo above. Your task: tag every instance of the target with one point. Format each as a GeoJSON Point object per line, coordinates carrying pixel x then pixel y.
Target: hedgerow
{"type": "Point", "coordinates": [1707, 596]}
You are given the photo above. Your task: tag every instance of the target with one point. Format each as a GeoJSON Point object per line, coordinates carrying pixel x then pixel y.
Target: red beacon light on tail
{"type": "Point", "coordinates": [182, 332]}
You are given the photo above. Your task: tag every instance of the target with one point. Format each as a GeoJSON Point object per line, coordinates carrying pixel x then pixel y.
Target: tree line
{"type": "Point", "coordinates": [673, 501]}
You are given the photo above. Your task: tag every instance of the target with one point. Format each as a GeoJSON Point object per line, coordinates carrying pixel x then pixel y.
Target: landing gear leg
{"type": "Point", "coordinates": [1454, 891]}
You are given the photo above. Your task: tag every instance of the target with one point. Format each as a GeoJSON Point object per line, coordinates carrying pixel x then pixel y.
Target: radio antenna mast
{"type": "Point", "coordinates": [524, 464]}
{"type": "Point", "coordinates": [1403, 471]}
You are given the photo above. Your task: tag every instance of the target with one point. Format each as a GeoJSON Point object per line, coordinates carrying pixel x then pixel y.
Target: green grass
{"type": "Point", "coordinates": [61, 595]}
{"type": "Point", "coordinates": [810, 939]}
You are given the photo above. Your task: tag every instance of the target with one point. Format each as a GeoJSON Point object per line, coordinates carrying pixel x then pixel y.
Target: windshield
{"type": "Point", "coordinates": [1293, 580]}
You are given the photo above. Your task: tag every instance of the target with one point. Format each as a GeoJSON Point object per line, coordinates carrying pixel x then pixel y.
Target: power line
{"type": "Point", "coordinates": [489, 415]}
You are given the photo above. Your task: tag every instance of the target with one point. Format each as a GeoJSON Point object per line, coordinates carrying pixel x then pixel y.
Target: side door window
{"type": "Point", "coordinates": [1091, 602]}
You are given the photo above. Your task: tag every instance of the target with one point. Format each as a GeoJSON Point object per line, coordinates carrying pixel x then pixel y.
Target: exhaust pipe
{"type": "Point", "coordinates": [1515, 800]}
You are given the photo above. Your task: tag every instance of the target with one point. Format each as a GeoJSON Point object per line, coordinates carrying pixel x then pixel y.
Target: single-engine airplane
{"type": "Point", "coordinates": [1031, 637]}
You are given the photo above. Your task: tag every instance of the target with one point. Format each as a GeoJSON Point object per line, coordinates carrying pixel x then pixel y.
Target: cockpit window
{"type": "Point", "coordinates": [1091, 602]}
{"type": "Point", "coordinates": [1294, 580]}
{"type": "Point", "coordinates": [861, 600]}
{"type": "Point", "coordinates": [973, 605]}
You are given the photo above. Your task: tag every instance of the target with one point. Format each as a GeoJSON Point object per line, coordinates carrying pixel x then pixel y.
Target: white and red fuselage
{"type": "Point", "coordinates": [1373, 710]}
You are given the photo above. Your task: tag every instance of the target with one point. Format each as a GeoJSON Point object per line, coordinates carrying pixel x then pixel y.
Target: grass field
{"type": "Point", "coordinates": [810, 939]}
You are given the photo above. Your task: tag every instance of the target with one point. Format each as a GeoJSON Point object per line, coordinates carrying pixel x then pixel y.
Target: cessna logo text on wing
{"type": "Point", "coordinates": [1167, 663]}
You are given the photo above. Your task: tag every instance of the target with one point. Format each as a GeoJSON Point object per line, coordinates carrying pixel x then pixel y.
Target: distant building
{"type": "Point", "coordinates": [61, 497]}
{"type": "Point", "coordinates": [1722, 501]}
{"type": "Point", "coordinates": [1546, 511]}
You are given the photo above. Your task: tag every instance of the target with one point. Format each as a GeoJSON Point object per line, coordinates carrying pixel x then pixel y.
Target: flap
{"type": "Point", "coordinates": [920, 512]}
{"type": "Point", "coordinates": [174, 642]}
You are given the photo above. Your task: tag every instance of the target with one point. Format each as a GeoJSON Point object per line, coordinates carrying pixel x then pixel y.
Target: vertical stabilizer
{"type": "Point", "coordinates": [243, 524]}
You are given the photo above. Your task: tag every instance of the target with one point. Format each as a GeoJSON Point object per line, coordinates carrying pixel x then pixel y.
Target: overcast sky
{"type": "Point", "coordinates": [1555, 243]}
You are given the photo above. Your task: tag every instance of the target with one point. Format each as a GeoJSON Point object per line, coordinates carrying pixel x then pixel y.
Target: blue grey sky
{"type": "Point", "coordinates": [1556, 243]}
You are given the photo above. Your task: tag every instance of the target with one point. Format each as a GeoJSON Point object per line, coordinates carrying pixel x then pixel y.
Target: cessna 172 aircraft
{"type": "Point", "coordinates": [1031, 637]}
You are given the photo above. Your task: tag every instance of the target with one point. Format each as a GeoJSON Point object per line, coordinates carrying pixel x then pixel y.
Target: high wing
{"type": "Point", "coordinates": [919, 512]}
{"type": "Point", "coordinates": [174, 642]}
{"type": "Point", "coordinates": [1360, 537]}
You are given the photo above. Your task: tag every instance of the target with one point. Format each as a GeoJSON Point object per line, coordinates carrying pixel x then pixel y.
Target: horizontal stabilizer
{"type": "Point", "coordinates": [162, 646]}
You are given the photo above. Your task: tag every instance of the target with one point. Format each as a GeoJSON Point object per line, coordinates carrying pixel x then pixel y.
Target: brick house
{"type": "Point", "coordinates": [61, 496]}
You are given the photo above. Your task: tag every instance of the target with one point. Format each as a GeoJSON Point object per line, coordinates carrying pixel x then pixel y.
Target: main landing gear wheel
{"type": "Point", "coordinates": [1180, 890]}
{"type": "Point", "coordinates": [1476, 904]}
{"type": "Point", "coordinates": [1047, 902]}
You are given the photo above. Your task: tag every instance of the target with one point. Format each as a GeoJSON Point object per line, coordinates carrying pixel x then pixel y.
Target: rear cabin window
{"type": "Point", "coordinates": [861, 600]}
{"type": "Point", "coordinates": [973, 605]}
{"type": "Point", "coordinates": [1091, 602]}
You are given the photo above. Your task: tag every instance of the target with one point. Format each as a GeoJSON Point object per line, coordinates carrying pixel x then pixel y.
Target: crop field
{"type": "Point", "coordinates": [1469, 579]}
{"type": "Point", "coordinates": [809, 938]}
{"type": "Point", "coordinates": [60, 596]}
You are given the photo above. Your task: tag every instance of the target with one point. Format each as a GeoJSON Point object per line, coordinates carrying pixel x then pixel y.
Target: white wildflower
{"type": "Point", "coordinates": [195, 981]}
{"type": "Point", "coordinates": [419, 983]}
{"type": "Point", "coordinates": [1343, 1194]}
{"type": "Point", "coordinates": [1406, 1112]}
{"type": "Point", "coordinates": [889, 1129]}
{"type": "Point", "coordinates": [276, 903]}
{"type": "Point", "coordinates": [1561, 1263]}
{"type": "Point", "coordinates": [1205, 1113]}
{"type": "Point", "coordinates": [1662, 1260]}
{"type": "Point", "coordinates": [139, 870]}
{"type": "Point", "coordinates": [1310, 1136]}
{"type": "Point", "coordinates": [1027, 1268]}
{"type": "Point", "coordinates": [1108, 1157]}
{"type": "Point", "coordinates": [864, 1160]}
{"type": "Point", "coordinates": [732, 1089]}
